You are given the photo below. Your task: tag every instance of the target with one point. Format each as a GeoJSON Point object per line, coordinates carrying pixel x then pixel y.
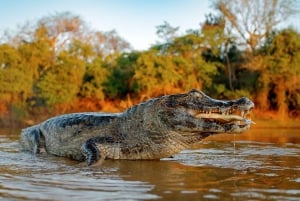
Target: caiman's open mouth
{"type": "Point", "coordinates": [236, 116]}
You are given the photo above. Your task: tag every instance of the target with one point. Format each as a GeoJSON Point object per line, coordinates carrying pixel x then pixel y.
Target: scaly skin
{"type": "Point", "coordinates": [153, 129]}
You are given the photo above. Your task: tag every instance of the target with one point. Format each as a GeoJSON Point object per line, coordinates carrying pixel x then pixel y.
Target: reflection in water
{"type": "Point", "coordinates": [27, 177]}
{"type": "Point", "coordinates": [211, 171]}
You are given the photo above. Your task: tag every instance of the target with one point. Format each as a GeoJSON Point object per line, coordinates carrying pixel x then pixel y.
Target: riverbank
{"type": "Point", "coordinates": [269, 119]}
{"type": "Point", "coordinates": [20, 119]}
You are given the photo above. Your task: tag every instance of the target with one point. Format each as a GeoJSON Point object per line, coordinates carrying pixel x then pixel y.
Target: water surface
{"type": "Point", "coordinates": [263, 164]}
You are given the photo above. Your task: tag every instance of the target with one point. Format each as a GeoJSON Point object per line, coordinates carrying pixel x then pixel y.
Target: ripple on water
{"type": "Point", "coordinates": [248, 155]}
{"type": "Point", "coordinates": [62, 187]}
{"type": "Point", "coordinates": [28, 177]}
{"type": "Point", "coordinates": [214, 171]}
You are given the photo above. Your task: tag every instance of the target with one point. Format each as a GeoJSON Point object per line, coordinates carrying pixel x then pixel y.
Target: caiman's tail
{"type": "Point", "coordinates": [31, 139]}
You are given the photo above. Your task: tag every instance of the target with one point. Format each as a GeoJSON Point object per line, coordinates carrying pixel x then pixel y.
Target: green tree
{"type": "Point", "coordinates": [279, 67]}
{"type": "Point", "coordinates": [155, 74]}
{"type": "Point", "coordinates": [217, 47]}
{"type": "Point", "coordinates": [38, 52]}
{"type": "Point", "coordinates": [221, 48]}
{"type": "Point", "coordinates": [119, 81]}
{"type": "Point", "coordinates": [15, 79]}
{"type": "Point", "coordinates": [61, 83]}
{"type": "Point", "coordinates": [180, 67]}
{"type": "Point", "coordinates": [190, 48]}
{"type": "Point", "coordinates": [94, 77]}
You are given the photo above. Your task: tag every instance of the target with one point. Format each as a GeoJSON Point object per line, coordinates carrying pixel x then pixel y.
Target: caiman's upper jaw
{"type": "Point", "coordinates": [238, 116]}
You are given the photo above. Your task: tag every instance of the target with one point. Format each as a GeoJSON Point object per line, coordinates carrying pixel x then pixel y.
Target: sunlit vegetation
{"type": "Point", "coordinates": [58, 64]}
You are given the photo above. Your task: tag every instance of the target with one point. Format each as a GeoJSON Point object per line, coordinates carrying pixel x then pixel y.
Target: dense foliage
{"type": "Point", "coordinates": [58, 63]}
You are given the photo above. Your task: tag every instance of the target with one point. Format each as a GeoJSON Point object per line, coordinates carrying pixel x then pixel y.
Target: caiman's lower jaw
{"type": "Point", "coordinates": [238, 117]}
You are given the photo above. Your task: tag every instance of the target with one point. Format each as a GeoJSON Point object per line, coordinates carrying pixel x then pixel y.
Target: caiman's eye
{"type": "Point", "coordinates": [196, 94]}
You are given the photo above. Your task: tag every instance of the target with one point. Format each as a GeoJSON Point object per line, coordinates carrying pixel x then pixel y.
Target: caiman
{"type": "Point", "coordinates": [155, 129]}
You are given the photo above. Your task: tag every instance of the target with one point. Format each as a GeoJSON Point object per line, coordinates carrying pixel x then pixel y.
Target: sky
{"type": "Point", "coordinates": [134, 20]}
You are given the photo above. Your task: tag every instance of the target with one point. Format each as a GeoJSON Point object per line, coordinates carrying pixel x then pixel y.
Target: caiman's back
{"type": "Point", "coordinates": [64, 135]}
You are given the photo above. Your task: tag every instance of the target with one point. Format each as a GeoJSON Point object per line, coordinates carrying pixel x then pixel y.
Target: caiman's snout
{"type": "Point", "coordinates": [222, 111]}
{"type": "Point", "coordinates": [241, 110]}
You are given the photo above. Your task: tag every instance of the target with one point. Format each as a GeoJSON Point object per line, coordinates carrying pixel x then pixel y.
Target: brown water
{"type": "Point", "coordinates": [263, 164]}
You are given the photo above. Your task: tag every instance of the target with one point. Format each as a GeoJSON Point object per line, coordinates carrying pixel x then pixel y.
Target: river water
{"type": "Point", "coordinates": [262, 164]}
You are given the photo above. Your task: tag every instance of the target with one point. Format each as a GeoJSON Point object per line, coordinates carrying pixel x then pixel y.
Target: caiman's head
{"type": "Point", "coordinates": [195, 113]}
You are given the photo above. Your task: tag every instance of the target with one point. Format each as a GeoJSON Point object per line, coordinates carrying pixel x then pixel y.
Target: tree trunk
{"type": "Point", "coordinates": [262, 99]}
{"type": "Point", "coordinates": [281, 99]}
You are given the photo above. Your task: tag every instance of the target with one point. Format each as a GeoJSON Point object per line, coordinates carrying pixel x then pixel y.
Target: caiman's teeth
{"type": "Point", "coordinates": [243, 113]}
{"type": "Point", "coordinates": [248, 121]}
{"type": "Point", "coordinates": [252, 122]}
{"type": "Point", "coordinates": [228, 118]}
